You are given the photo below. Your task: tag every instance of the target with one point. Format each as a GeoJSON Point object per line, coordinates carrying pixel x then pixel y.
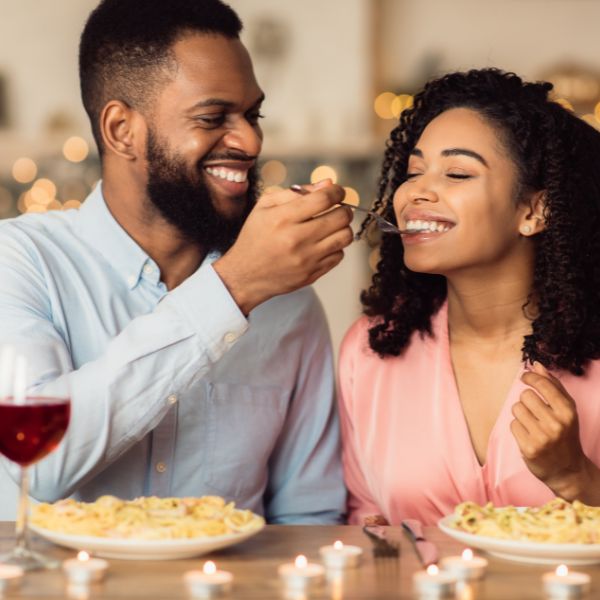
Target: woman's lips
{"type": "Point", "coordinates": [423, 230]}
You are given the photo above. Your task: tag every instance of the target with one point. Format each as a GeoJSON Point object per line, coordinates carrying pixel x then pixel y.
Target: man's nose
{"type": "Point", "coordinates": [245, 137]}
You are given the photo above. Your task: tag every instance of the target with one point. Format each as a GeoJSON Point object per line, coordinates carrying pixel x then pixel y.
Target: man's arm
{"type": "Point", "coordinates": [123, 394]}
{"type": "Point", "coordinates": [305, 473]}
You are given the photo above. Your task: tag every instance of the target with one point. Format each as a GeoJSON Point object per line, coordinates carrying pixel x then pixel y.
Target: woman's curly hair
{"type": "Point", "coordinates": [553, 150]}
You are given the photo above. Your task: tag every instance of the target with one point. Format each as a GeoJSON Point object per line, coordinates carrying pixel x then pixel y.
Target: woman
{"type": "Point", "coordinates": [474, 374]}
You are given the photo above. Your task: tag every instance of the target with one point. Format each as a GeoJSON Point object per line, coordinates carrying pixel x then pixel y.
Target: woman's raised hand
{"type": "Point", "coordinates": [546, 428]}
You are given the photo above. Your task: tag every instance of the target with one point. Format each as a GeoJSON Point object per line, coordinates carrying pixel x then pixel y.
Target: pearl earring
{"type": "Point", "coordinates": [526, 230]}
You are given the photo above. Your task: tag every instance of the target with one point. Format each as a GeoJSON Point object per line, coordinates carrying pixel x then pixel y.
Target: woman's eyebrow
{"type": "Point", "coordinates": [455, 152]}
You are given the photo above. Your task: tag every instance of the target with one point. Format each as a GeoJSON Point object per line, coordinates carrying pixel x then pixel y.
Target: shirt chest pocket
{"type": "Point", "coordinates": [245, 423]}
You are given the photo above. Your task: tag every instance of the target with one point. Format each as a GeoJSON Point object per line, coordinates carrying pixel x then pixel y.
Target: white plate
{"type": "Point", "coordinates": [530, 552]}
{"type": "Point", "coordinates": [144, 549]}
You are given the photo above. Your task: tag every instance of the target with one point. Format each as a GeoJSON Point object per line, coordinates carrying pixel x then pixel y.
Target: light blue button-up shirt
{"type": "Point", "coordinates": [173, 392]}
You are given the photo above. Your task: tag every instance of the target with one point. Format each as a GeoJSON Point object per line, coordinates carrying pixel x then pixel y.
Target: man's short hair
{"type": "Point", "coordinates": [125, 51]}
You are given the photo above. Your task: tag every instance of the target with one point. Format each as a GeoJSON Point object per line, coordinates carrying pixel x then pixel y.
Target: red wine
{"type": "Point", "coordinates": [28, 432]}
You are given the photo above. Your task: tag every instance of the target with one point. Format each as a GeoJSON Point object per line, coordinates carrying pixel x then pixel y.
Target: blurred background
{"type": "Point", "coordinates": [337, 74]}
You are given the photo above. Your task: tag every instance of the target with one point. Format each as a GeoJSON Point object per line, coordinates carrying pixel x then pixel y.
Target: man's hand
{"type": "Point", "coordinates": [546, 428]}
{"type": "Point", "coordinates": [287, 242]}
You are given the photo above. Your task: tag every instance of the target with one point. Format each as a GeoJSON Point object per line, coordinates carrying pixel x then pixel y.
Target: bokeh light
{"type": "Point", "coordinates": [76, 149]}
{"type": "Point", "coordinates": [24, 170]}
{"type": "Point", "coordinates": [565, 103]}
{"type": "Point", "coordinates": [273, 172]}
{"type": "Point", "coordinates": [271, 189]}
{"type": "Point", "coordinates": [400, 104]}
{"type": "Point", "coordinates": [323, 172]}
{"type": "Point", "coordinates": [351, 197]}
{"type": "Point", "coordinates": [71, 204]}
{"type": "Point", "coordinates": [591, 119]}
{"type": "Point", "coordinates": [43, 191]}
{"type": "Point", "coordinates": [383, 105]}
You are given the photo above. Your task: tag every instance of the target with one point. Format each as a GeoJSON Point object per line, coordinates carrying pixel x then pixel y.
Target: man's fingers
{"type": "Point", "coordinates": [326, 264]}
{"type": "Point", "coordinates": [317, 202]}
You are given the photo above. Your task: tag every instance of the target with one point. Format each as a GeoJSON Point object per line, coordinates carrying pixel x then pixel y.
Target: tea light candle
{"type": "Point", "coordinates": [209, 582]}
{"type": "Point", "coordinates": [301, 574]}
{"type": "Point", "coordinates": [83, 569]}
{"type": "Point", "coordinates": [565, 584]}
{"type": "Point", "coordinates": [465, 567]}
{"type": "Point", "coordinates": [10, 576]}
{"type": "Point", "coordinates": [434, 582]}
{"type": "Point", "coordinates": [341, 556]}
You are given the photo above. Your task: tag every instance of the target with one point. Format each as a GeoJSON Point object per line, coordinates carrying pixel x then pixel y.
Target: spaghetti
{"type": "Point", "coordinates": [558, 521]}
{"type": "Point", "coordinates": [147, 518]}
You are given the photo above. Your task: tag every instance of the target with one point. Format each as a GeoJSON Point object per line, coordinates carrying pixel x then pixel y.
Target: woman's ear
{"type": "Point", "coordinates": [121, 128]}
{"type": "Point", "coordinates": [533, 219]}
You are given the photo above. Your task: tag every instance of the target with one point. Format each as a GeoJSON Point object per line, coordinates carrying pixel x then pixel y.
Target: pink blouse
{"type": "Point", "coordinates": [407, 450]}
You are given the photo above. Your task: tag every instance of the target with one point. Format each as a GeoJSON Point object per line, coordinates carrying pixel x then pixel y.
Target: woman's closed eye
{"type": "Point", "coordinates": [459, 175]}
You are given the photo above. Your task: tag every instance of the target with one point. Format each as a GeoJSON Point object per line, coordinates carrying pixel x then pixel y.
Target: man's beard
{"type": "Point", "coordinates": [186, 202]}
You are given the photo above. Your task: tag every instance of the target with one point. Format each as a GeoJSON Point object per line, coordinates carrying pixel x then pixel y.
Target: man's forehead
{"type": "Point", "coordinates": [213, 65]}
{"type": "Point", "coordinates": [209, 52]}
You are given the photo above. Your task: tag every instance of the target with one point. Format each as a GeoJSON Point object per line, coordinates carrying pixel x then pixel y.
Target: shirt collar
{"type": "Point", "coordinates": [98, 228]}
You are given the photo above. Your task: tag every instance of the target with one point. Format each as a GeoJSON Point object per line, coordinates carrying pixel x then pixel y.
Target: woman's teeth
{"type": "Point", "coordinates": [418, 226]}
{"type": "Point", "coordinates": [228, 174]}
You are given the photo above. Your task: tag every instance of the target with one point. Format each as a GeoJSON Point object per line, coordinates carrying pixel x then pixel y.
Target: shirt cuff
{"type": "Point", "coordinates": [206, 305]}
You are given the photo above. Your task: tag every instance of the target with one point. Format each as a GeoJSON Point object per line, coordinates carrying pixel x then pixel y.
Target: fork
{"type": "Point", "coordinates": [383, 224]}
{"type": "Point", "coordinates": [382, 547]}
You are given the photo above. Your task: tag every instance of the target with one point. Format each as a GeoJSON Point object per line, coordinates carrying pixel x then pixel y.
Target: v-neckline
{"type": "Point", "coordinates": [466, 432]}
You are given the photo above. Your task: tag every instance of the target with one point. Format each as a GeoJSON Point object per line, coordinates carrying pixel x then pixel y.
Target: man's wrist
{"type": "Point", "coordinates": [238, 287]}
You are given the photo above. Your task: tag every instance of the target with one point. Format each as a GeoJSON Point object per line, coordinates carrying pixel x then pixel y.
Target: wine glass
{"type": "Point", "coordinates": [35, 406]}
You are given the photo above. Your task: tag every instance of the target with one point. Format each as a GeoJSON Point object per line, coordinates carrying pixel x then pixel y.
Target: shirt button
{"type": "Point", "coordinates": [148, 269]}
{"type": "Point", "coordinates": [172, 399]}
{"type": "Point", "coordinates": [131, 280]}
{"type": "Point", "coordinates": [230, 337]}
{"type": "Point", "coordinates": [161, 467]}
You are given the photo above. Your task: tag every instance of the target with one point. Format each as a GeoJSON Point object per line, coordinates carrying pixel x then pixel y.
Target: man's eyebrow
{"type": "Point", "coordinates": [455, 152]}
{"type": "Point", "coordinates": [222, 103]}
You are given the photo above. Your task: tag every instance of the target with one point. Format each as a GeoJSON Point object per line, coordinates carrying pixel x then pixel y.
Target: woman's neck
{"type": "Point", "coordinates": [488, 310]}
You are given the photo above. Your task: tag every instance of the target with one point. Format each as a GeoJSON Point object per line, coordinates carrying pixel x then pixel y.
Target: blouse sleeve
{"type": "Point", "coordinates": [360, 503]}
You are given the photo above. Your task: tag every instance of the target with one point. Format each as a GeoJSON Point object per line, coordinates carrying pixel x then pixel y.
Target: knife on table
{"type": "Point", "coordinates": [426, 550]}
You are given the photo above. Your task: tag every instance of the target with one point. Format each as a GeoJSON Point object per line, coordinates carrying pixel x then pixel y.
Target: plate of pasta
{"type": "Point", "coordinates": [147, 528]}
{"type": "Point", "coordinates": [557, 532]}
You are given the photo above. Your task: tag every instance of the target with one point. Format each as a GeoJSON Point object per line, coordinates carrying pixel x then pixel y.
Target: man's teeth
{"type": "Point", "coordinates": [417, 225]}
{"type": "Point", "coordinates": [228, 174]}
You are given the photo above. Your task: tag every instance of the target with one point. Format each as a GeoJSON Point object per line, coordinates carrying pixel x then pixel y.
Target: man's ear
{"type": "Point", "coordinates": [123, 130]}
{"type": "Point", "coordinates": [533, 219]}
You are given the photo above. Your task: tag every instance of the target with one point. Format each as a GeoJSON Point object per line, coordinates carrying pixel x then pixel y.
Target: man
{"type": "Point", "coordinates": [195, 370]}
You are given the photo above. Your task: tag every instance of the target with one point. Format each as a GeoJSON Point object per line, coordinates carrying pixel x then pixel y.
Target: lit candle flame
{"type": "Point", "coordinates": [432, 570]}
{"type": "Point", "coordinates": [467, 554]}
{"type": "Point", "coordinates": [83, 556]}
{"type": "Point", "coordinates": [209, 567]}
{"type": "Point", "coordinates": [301, 562]}
{"type": "Point", "coordinates": [338, 545]}
{"type": "Point", "coordinates": [562, 570]}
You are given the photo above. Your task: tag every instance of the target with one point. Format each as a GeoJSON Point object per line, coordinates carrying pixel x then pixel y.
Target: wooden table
{"type": "Point", "coordinates": [254, 566]}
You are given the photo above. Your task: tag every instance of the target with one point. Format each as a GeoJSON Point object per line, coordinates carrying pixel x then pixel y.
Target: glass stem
{"type": "Point", "coordinates": [23, 513]}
